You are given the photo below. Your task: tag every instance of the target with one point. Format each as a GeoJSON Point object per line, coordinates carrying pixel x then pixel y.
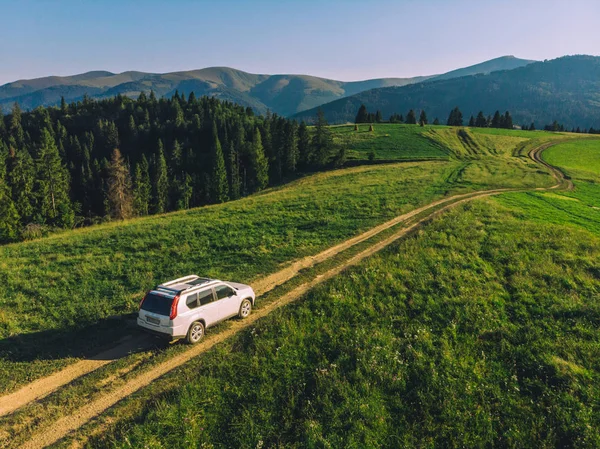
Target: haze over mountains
{"type": "Point", "coordinates": [566, 89]}
{"type": "Point", "coordinates": [283, 94]}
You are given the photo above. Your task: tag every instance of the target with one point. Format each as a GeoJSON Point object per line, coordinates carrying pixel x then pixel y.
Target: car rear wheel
{"type": "Point", "coordinates": [245, 308]}
{"type": "Point", "coordinates": [195, 333]}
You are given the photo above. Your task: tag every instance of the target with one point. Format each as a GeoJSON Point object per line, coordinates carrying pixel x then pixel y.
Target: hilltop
{"type": "Point", "coordinates": [284, 94]}
{"type": "Point", "coordinates": [566, 89]}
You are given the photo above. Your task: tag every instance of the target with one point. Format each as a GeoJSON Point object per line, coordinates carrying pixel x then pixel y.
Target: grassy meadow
{"type": "Point", "coordinates": [388, 142]}
{"type": "Point", "coordinates": [579, 159]}
{"type": "Point", "coordinates": [59, 291]}
{"type": "Point", "coordinates": [479, 330]}
{"type": "Point", "coordinates": [389, 354]}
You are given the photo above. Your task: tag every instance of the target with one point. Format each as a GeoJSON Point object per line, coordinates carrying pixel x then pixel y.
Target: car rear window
{"type": "Point", "coordinates": [157, 304]}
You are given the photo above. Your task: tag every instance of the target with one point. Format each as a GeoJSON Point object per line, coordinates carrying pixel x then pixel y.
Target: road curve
{"type": "Point", "coordinates": [69, 423]}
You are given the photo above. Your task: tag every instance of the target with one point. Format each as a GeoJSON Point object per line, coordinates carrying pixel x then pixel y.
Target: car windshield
{"type": "Point", "coordinates": [157, 304]}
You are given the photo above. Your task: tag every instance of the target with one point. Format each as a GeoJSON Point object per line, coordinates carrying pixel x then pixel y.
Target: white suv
{"type": "Point", "coordinates": [185, 307]}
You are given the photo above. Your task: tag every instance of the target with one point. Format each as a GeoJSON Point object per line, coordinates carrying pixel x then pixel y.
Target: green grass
{"type": "Point", "coordinates": [479, 331]}
{"type": "Point", "coordinates": [401, 142]}
{"type": "Point", "coordinates": [513, 133]}
{"type": "Point", "coordinates": [388, 142]}
{"type": "Point", "coordinates": [57, 286]}
{"type": "Point", "coordinates": [54, 287]}
{"type": "Point", "coordinates": [578, 208]}
{"type": "Point", "coordinates": [578, 158]}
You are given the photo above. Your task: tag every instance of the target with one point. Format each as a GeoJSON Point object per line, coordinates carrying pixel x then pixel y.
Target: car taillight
{"type": "Point", "coordinates": [142, 301]}
{"type": "Point", "coordinates": [174, 308]}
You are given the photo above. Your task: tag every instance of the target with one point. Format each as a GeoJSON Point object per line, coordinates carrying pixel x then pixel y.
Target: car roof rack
{"type": "Point", "coordinates": [183, 284]}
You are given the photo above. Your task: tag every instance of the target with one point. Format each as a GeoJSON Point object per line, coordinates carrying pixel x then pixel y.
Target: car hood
{"type": "Point", "coordinates": [239, 286]}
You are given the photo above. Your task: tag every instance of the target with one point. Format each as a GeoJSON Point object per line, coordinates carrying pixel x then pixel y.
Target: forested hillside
{"type": "Point", "coordinates": [566, 90]}
{"type": "Point", "coordinates": [89, 161]}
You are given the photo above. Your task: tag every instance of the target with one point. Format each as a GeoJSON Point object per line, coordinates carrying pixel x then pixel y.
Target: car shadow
{"type": "Point", "coordinates": [107, 339]}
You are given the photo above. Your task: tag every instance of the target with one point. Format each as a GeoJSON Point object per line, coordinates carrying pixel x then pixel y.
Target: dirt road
{"type": "Point", "coordinates": [48, 435]}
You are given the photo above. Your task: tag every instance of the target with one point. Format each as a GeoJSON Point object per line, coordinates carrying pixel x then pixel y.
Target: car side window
{"type": "Point", "coordinates": [192, 301]}
{"type": "Point", "coordinates": [224, 291]}
{"type": "Point", "coordinates": [205, 297]}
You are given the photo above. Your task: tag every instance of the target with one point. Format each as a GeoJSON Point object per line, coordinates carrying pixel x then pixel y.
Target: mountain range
{"type": "Point", "coordinates": [282, 94]}
{"type": "Point", "coordinates": [566, 89]}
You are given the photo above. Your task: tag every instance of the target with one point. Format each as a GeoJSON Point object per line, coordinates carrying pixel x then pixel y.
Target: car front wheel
{"type": "Point", "coordinates": [245, 308]}
{"type": "Point", "coordinates": [195, 333]}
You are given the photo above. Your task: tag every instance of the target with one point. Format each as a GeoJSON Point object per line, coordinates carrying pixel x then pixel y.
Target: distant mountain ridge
{"type": "Point", "coordinates": [566, 89]}
{"type": "Point", "coordinates": [283, 94]}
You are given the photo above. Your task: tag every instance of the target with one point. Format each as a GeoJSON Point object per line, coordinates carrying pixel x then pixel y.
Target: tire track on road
{"type": "Point", "coordinates": [69, 423]}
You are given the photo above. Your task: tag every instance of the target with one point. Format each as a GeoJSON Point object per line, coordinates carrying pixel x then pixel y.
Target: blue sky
{"type": "Point", "coordinates": [345, 40]}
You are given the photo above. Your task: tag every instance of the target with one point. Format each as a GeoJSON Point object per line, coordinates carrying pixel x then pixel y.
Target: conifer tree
{"type": "Point", "coordinates": [411, 118]}
{"type": "Point", "coordinates": [266, 137]}
{"type": "Point", "coordinates": [497, 120]}
{"type": "Point", "coordinates": [378, 116]}
{"type": "Point", "coordinates": [52, 184]}
{"type": "Point", "coordinates": [21, 178]}
{"type": "Point", "coordinates": [9, 217]}
{"type": "Point", "coordinates": [362, 115]}
{"type": "Point", "coordinates": [234, 172]}
{"type": "Point", "coordinates": [185, 192]}
{"type": "Point", "coordinates": [142, 190]}
{"type": "Point", "coordinates": [322, 142]}
{"type": "Point", "coordinates": [86, 182]}
{"type": "Point", "coordinates": [472, 121]}
{"type": "Point", "coordinates": [177, 113]}
{"type": "Point", "coordinates": [304, 148]}
{"type": "Point", "coordinates": [176, 173]}
{"type": "Point", "coordinates": [455, 118]}
{"type": "Point", "coordinates": [120, 200]}
{"type": "Point", "coordinates": [436, 121]}
{"type": "Point", "coordinates": [480, 121]}
{"type": "Point", "coordinates": [161, 182]}
{"type": "Point", "coordinates": [259, 166]}
{"type": "Point", "coordinates": [291, 147]}
{"type": "Point", "coordinates": [15, 128]}
{"type": "Point", "coordinates": [219, 189]}
{"type": "Point", "coordinates": [507, 122]}
{"type": "Point", "coordinates": [63, 106]}
{"type": "Point", "coordinates": [2, 124]}
{"type": "Point", "coordinates": [423, 118]}
{"type": "Point", "coordinates": [132, 132]}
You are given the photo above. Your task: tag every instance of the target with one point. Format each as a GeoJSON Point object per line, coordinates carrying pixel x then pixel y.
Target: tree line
{"type": "Point", "coordinates": [559, 127]}
{"type": "Point", "coordinates": [455, 118]}
{"type": "Point", "coordinates": [364, 116]}
{"type": "Point", "coordinates": [92, 160]}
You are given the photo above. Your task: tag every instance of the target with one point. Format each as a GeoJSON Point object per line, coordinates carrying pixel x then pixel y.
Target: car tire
{"type": "Point", "coordinates": [195, 333]}
{"type": "Point", "coordinates": [245, 308]}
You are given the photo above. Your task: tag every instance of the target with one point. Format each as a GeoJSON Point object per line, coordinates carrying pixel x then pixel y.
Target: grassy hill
{"type": "Point", "coordinates": [115, 263]}
{"type": "Point", "coordinates": [282, 94]}
{"type": "Point", "coordinates": [565, 89]}
{"type": "Point", "coordinates": [480, 330]}
{"type": "Point", "coordinates": [462, 334]}
{"type": "Point", "coordinates": [474, 329]}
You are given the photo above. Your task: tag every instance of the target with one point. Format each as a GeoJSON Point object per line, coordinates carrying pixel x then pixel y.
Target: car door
{"type": "Point", "coordinates": [207, 308]}
{"type": "Point", "coordinates": [229, 303]}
